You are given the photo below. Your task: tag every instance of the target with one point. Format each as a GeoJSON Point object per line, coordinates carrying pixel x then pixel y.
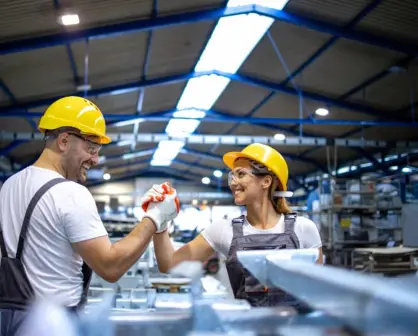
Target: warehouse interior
{"type": "Point", "coordinates": [330, 84]}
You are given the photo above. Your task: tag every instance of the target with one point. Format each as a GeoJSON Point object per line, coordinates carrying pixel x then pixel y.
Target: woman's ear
{"type": "Point", "coordinates": [267, 181]}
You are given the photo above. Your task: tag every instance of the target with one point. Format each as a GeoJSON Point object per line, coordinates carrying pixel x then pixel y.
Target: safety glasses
{"type": "Point", "coordinates": [92, 147]}
{"type": "Point", "coordinates": [240, 174]}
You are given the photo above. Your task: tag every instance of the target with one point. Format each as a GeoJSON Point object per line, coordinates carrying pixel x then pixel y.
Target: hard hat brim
{"type": "Point", "coordinates": [230, 158]}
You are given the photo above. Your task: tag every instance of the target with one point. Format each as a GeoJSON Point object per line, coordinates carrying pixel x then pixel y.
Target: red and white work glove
{"type": "Point", "coordinates": [161, 205]}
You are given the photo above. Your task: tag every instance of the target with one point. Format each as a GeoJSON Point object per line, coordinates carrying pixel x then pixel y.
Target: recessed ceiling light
{"type": "Point", "coordinates": [206, 180]}
{"type": "Point", "coordinates": [217, 173]}
{"type": "Point", "coordinates": [106, 176]}
{"type": "Point", "coordinates": [279, 136]}
{"type": "Point", "coordinates": [69, 19]}
{"type": "Point", "coordinates": [322, 112]}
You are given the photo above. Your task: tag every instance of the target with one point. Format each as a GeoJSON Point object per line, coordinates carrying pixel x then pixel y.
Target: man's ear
{"type": "Point", "coordinates": [62, 141]}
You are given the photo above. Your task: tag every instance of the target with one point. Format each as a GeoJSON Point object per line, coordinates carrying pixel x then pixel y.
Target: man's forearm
{"type": "Point", "coordinates": [128, 250]}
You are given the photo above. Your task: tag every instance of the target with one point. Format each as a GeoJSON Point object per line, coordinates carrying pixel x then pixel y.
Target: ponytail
{"type": "Point", "coordinates": [280, 204]}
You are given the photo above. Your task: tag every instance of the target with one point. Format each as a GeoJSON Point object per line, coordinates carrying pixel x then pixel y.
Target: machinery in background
{"type": "Point", "coordinates": [211, 266]}
{"type": "Point", "coordinates": [344, 302]}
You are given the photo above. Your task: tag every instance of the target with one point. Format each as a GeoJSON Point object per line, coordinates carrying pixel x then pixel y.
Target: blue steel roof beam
{"type": "Point", "coordinates": [368, 9]}
{"type": "Point", "coordinates": [360, 170]}
{"type": "Point", "coordinates": [380, 75]}
{"type": "Point", "coordinates": [371, 159]}
{"type": "Point", "coordinates": [265, 122]}
{"type": "Point", "coordinates": [126, 164]}
{"type": "Point", "coordinates": [402, 63]}
{"type": "Point", "coordinates": [194, 164]}
{"type": "Point", "coordinates": [219, 158]}
{"type": "Point", "coordinates": [248, 119]}
{"type": "Point", "coordinates": [134, 86]}
{"type": "Point", "coordinates": [251, 113]}
{"type": "Point", "coordinates": [7, 91]}
{"type": "Point", "coordinates": [13, 99]}
{"type": "Point", "coordinates": [172, 172]}
{"type": "Point", "coordinates": [57, 7]}
{"type": "Point", "coordinates": [115, 89]}
{"type": "Point", "coordinates": [204, 15]}
{"type": "Point", "coordinates": [306, 94]}
{"type": "Point", "coordinates": [136, 154]}
{"type": "Point", "coordinates": [338, 31]}
{"type": "Point", "coordinates": [6, 150]}
{"type": "Point", "coordinates": [138, 174]}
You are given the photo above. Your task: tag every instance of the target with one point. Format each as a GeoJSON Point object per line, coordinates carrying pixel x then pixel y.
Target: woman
{"type": "Point", "coordinates": [258, 180]}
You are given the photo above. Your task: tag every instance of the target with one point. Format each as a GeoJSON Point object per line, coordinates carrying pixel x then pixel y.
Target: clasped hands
{"type": "Point", "coordinates": [160, 204]}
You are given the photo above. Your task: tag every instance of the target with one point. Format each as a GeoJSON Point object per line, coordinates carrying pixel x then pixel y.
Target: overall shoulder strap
{"type": "Point", "coordinates": [2, 245]}
{"type": "Point", "coordinates": [289, 221]}
{"type": "Point", "coordinates": [35, 199]}
{"type": "Point", "coordinates": [237, 224]}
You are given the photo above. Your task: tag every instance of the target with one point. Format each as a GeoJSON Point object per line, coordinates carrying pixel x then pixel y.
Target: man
{"type": "Point", "coordinates": [62, 227]}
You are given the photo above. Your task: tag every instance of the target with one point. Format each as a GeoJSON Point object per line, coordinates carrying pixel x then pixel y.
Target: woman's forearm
{"type": "Point", "coordinates": [164, 251]}
{"type": "Point", "coordinates": [198, 249]}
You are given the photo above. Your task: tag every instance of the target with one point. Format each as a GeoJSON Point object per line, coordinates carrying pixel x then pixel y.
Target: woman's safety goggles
{"type": "Point", "coordinates": [240, 174]}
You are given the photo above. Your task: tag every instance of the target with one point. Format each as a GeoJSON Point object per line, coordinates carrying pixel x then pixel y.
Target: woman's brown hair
{"type": "Point", "coordinates": [279, 203]}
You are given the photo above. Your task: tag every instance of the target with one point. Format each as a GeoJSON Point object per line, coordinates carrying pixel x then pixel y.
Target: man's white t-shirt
{"type": "Point", "coordinates": [66, 214]}
{"type": "Point", "coordinates": [219, 234]}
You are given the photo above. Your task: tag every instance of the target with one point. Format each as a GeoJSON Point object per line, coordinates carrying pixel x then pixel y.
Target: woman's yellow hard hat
{"type": "Point", "coordinates": [265, 155]}
{"type": "Point", "coordinates": [76, 112]}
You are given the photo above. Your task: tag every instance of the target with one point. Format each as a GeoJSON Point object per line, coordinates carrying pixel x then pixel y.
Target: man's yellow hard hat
{"type": "Point", "coordinates": [76, 112]}
{"type": "Point", "coordinates": [265, 155]}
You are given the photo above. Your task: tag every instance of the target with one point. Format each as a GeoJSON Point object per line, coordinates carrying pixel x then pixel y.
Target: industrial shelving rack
{"type": "Point", "coordinates": [357, 213]}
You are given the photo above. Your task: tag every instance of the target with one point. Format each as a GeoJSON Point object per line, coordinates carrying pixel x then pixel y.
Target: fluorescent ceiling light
{"type": "Point", "coordinates": [393, 168]}
{"type": "Point", "coordinates": [160, 162]}
{"type": "Point", "coordinates": [406, 170]}
{"type": "Point", "coordinates": [279, 136]}
{"type": "Point", "coordinates": [181, 127]}
{"type": "Point", "coordinates": [206, 180]}
{"type": "Point", "coordinates": [232, 40]}
{"type": "Point", "coordinates": [322, 112]}
{"type": "Point", "coordinates": [202, 92]}
{"type": "Point", "coordinates": [166, 151]}
{"type": "Point", "coordinates": [189, 113]}
{"type": "Point", "coordinates": [124, 143]}
{"type": "Point", "coordinates": [69, 19]}
{"type": "Point", "coordinates": [127, 122]}
{"type": "Point", "coordinates": [343, 170]}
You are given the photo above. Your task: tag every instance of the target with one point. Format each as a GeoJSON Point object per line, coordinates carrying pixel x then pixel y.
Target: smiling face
{"type": "Point", "coordinates": [79, 154]}
{"type": "Point", "coordinates": [247, 185]}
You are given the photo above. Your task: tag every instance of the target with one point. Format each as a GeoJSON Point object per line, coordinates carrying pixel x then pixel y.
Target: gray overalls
{"type": "Point", "coordinates": [243, 283]}
{"type": "Point", "coordinates": [16, 292]}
